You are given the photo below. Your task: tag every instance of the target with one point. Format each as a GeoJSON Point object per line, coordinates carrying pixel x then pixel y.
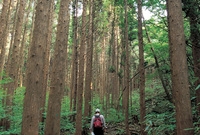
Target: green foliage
{"type": "Point", "coordinates": [5, 79]}
{"type": "Point", "coordinates": [114, 116]}
{"type": "Point", "coordinates": [2, 109]}
{"type": "Point", "coordinates": [160, 123]}
{"type": "Point", "coordinates": [111, 69]}
{"type": "Point", "coordinates": [160, 116]}
{"type": "Point", "coordinates": [16, 117]}
{"type": "Point", "coordinates": [157, 7]}
{"type": "Point", "coordinates": [96, 103]}
{"type": "Point", "coordinates": [136, 105]}
{"type": "Point", "coordinates": [66, 124]}
{"type": "Point", "coordinates": [197, 87]}
{"type": "Point", "coordinates": [153, 89]}
{"type": "Point", "coordinates": [196, 126]}
{"type": "Point", "coordinates": [120, 131]}
{"type": "Point", "coordinates": [120, 73]}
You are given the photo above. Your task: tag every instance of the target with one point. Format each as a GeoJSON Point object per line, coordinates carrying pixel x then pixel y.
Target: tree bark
{"type": "Point", "coordinates": [195, 39]}
{"type": "Point", "coordinates": [4, 17]}
{"type": "Point", "coordinates": [15, 57]}
{"type": "Point", "coordinates": [81, 71]}
{"type": "Point", "coordinates": [178, 59]}
{"type": "Point", "coordinates": [74, 69]}
{"type": "Point", "coordinates": [141, 70]}
{"type": "Point", "coordinates": [127, 72]}
{"type": "Point", "coordinates": [88, 77]}
{"type": "Point", "coordinates": [57, 85]}
{"type": "Point", "coordinates": [46, 59]}
{"type": "Point", "coordinates": [35, 71]}
{"type": "Point", "coordinates": [192, 10]}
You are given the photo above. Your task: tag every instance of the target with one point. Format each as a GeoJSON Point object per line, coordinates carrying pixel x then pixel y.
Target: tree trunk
{"type": "Point", "coordinates": [46, 59]}
{"type": "Point", "coordinates": [35, 71]}
{"type": "Point", "coordinates": [178, 59]}
{"type": "Point", "coordinates": [57, 86]}
{"type": "Point", "coordinates": [141, 70]}
{"type": "Point", "coordinates": [8, 63]}
{"type": "Point", "coordinates": [22, 48]}
{"type": "Point", "coordinates": [127, 72]}
{"type": "Point", "coordinates": [74, 69]}
{"type": "Point", "coordinates": [4, 17]}
{"type": "Point", "coordinates": [14, 66]}
{"type": "Point", "coordinates": [88, 77]}
{"type": "Point", "coordinates": [81, 71]}
{"type": "Point", "coordinates": [114, 100]}
{"type": "Point", "coordinates": [195, 39]}
{"type": "Point", "coordinates": [192, 11]}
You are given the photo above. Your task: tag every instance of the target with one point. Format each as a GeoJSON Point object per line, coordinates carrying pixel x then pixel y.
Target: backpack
{"type": "Point", "coordinates": [97, 122]}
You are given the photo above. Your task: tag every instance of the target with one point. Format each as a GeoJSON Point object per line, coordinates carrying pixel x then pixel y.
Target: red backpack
{"type": "Point", "coordinates": [97, 122]}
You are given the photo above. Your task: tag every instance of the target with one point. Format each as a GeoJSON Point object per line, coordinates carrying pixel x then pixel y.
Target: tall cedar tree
{"type": "Point", "coordinates": [127, 85]}
{"type": "Point", "coordinates": [3, 31]}
{"type": "Point", "coordinates": [57, 85]}
{"type": "Point", "coordinates": [15, 10]}
{"type": "Point", "coordinates": [4, 18]}
{"type": "Point", "coordinates": [74, 67]}
{"type": "Point", "coordinates": [178, 61]}
{"type": "Point", "coordinates": [35, 70]}
{"type": "Point", "coordinates": [22, 48]}
{"type": "Point", "coordinates": [46, 59]}
{"type": "Point", "coordinates": [81, 71]}
{"type": "Point", "coordinates": [14, 66]}
{"type": "Point", "coordinates": [192, 10]}
{"type": "Point", "coordinates": [88, 77]}
{"type": "Point", "coordinates": [141, 70]}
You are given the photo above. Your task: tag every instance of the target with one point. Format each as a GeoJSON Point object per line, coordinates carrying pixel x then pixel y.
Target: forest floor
{"type": "Point", "coordinates": [119, 129]}
{"type": "Point", "coordinates": [116, 129]}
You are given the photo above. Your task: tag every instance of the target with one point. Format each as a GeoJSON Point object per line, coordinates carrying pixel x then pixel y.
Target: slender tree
{"type": "Point", "coordinates": [15, 10]}
{"type": "Point", "coordinates": [141, 70]}
{"type": "Point", "coordinates": [113, 65]}
{"type": "Point", "coordinates": [22, 48]}
{"type": "Point", "coordinates": [46, 59]}
{"type": "Point", "coordinates": [127, 72]}
{"type": "Point", "coordinates": [178, 59]}
{"type": "Point", "coordinates": [192, 10]}
{"type": "Point", "coordinates": [3, 31]}
{"type": "Point", "coordinates": [88, 77]}
{"type": "Point", "coordinates": [74, 68]}
{"type": "Point", "coordinates": [81, 71]}
{"type": "Point", "coordinates": [14, 66]}
{"type": "Point", "coordinates": [3, 19]}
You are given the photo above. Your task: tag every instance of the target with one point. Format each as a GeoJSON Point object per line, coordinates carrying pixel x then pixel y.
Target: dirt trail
{"type": "Point", "coordinates": [119, 128]}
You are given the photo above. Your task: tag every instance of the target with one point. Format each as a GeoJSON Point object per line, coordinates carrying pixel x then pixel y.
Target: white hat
{"type": "Point", "coordinates": [97, 110]}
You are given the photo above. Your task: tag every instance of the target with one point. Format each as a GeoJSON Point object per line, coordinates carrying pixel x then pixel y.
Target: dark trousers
{"type": "Point", "coordinates": [98, 131]}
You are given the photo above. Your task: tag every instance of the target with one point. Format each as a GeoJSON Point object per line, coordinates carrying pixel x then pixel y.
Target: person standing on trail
{"type": "Point", "coordinates": [98, 124]}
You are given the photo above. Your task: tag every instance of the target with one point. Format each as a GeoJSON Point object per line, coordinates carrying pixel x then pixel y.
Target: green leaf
{"type": "Point", "coordinates": [197, 87]}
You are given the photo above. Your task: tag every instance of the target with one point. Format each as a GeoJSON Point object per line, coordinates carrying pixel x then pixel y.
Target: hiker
{"type": "Point", "coordinates": [98, 124]}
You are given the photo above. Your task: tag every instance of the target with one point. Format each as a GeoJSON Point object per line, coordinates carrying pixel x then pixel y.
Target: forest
{"type": "Point", "coordinates": [138, 61]}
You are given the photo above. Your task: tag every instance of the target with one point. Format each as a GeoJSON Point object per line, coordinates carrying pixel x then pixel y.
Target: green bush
{"type": "Point", "coordinates": [16, 116]}
{"type": "Point", "coordinates": [160, 123]}
{"type": "Point", "coordinates": [66, 124]}
{"type": "Point", "coordinates": [114, 116]}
